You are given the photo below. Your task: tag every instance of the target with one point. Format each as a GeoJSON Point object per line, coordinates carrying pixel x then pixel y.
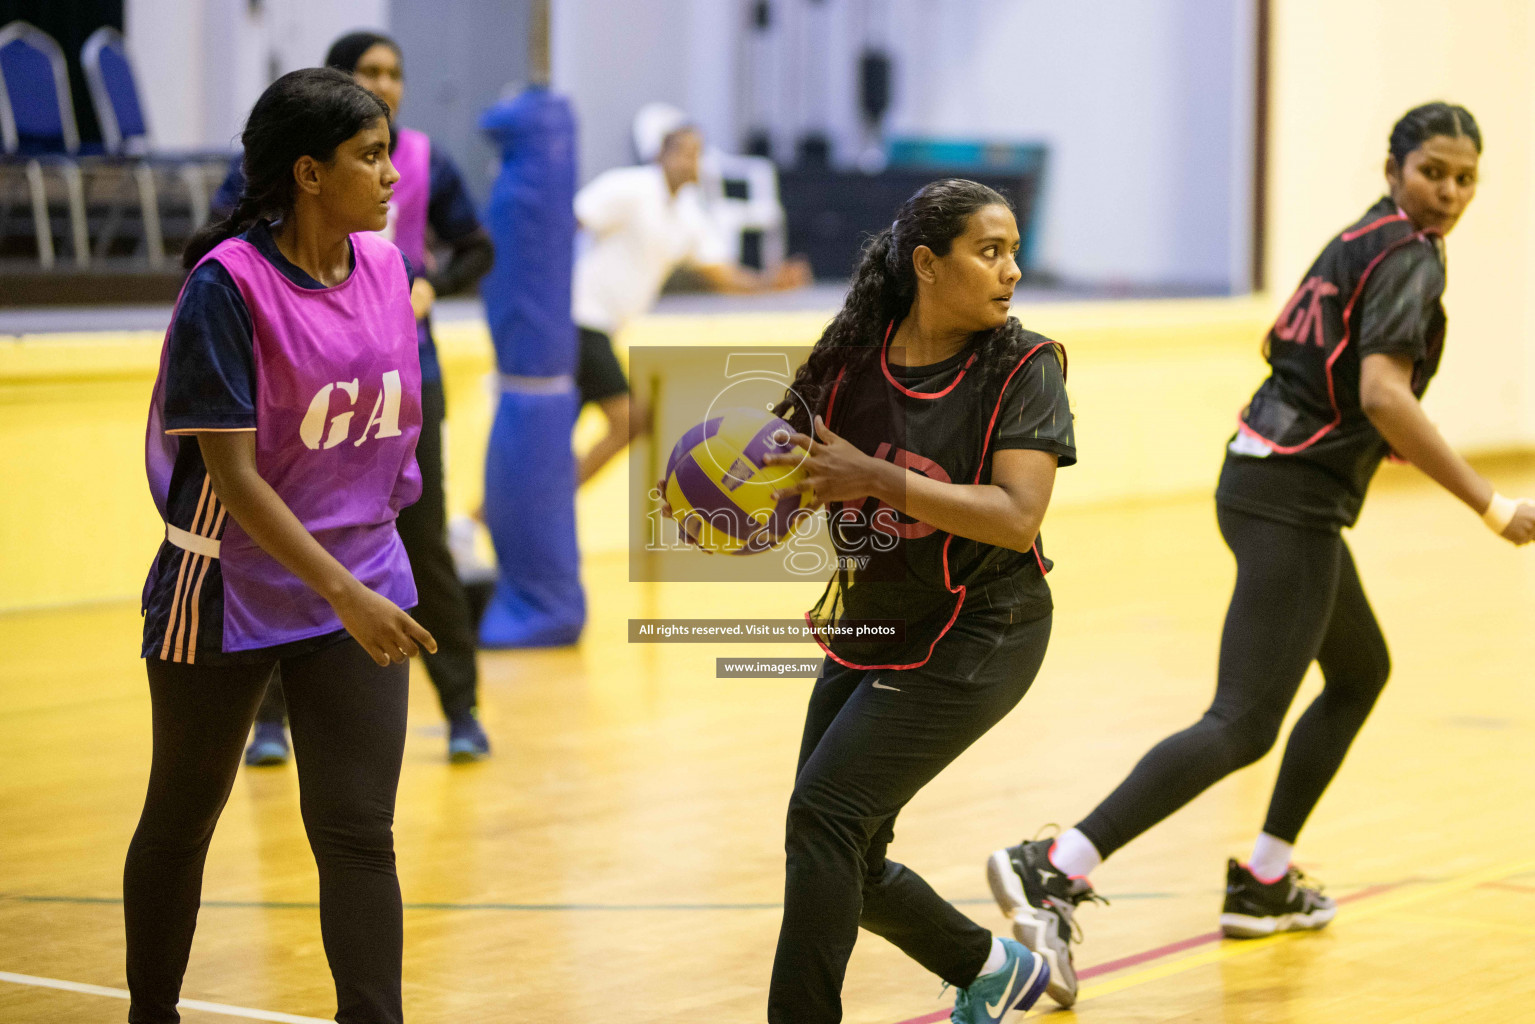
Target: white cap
{"type": "Point", "coordinates": [653, 123]}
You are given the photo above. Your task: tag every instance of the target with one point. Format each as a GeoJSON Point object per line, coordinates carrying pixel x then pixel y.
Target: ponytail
{"type": "Point", "coordinates": [241, 219]}
{"type": "Point", "coordinates": [849, 342]}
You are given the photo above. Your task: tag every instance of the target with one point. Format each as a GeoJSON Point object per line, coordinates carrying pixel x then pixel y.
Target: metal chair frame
{"type": "Point", "coordinates": [140, 146]}
{"type": "Point", "coordinates": [64, 164]}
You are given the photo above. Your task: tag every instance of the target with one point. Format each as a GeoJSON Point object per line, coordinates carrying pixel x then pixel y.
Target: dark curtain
{"type": "Point", "coordinates": [70, 22]}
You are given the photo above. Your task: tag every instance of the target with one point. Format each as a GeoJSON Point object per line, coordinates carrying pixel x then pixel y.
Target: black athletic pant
{"type": "Point", "coordinates": [349, 735]}
{"type": "Point", "coordinates": [442, 607]}
{"type": "Point", "coordinates": [866, 752]}
{"type": "Point", "coordinates": [1298, 599]}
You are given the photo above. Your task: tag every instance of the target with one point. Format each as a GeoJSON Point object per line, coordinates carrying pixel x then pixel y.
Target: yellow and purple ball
{"type": "Point", "coordinates": [720, 491]}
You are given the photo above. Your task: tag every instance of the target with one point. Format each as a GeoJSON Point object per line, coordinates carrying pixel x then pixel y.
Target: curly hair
{"type": "Point", "coordinates": [883, 287]}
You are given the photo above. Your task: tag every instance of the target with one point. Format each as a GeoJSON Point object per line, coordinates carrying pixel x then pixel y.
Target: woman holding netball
{"type": "Point", "coordinates": [1352, 353]}
{"type": "Point", "coordinates": [937, 423]}
{"type": "Point", "coordinates": [281, 447]}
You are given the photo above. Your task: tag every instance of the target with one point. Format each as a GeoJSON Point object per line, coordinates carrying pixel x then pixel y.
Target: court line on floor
{"type": "Point", "coordinates": [186, 1004]}
{"type": "Point", "coordinates": [1478, 923]}
{"type": "Point", "coordinates": [1227, 950]}
{"type": "Point", "coordinates": [1381, 901]}
{"type": "Point", "coordinates": [1208, 938]}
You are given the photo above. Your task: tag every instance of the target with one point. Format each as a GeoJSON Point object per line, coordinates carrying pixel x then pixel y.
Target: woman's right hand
{"type": "Point", "coordinates": [1521, 529]}
{"type": "Point", "coordinates": [385, 632]}
{"type": "Point", "coordinates": [793, 273]}
{"type": "Point", "coordinates": [666, 510]}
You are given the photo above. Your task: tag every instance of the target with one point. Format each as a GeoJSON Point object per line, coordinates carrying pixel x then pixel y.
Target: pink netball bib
{"type": "Point", "coordinates": [338, 411]}
{"type": "Point", "coordinates": [412, 157]}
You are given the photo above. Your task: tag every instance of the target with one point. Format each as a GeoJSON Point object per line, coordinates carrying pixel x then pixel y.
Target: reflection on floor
{"type": "Point", "coordinates": [620, 857]}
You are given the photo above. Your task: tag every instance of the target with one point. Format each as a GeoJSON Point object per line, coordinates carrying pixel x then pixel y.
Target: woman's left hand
{"type": "Point", "coordinates": [835, 469]}
{"type": "Point", "coordinates": [422, 297]}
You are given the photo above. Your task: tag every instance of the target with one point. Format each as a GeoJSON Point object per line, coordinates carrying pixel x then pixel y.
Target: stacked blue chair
{"type": "Point", "coordinates": [125, 134]}
{"type": "Point", "coordinates": [38, 133]}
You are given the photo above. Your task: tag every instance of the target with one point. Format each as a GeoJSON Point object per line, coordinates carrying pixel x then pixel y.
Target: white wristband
{"type": "Point", "coordinates": [1500, 512]}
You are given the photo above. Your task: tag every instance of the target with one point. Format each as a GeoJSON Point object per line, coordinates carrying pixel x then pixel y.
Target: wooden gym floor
{"type": "Point", "coordinates": [620, 857]}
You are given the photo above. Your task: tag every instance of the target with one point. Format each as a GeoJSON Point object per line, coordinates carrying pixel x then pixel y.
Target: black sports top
{"type": "Point", "coordinates": [1304, 451]}
{"type": "Point", "coordinates": [942, 421]}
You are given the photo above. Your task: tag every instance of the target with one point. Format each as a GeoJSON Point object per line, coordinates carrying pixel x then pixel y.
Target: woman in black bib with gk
{"type": "Point", "coordinates": [1351, 354]}
{"type": "Point", "coordinates": [938, 424]}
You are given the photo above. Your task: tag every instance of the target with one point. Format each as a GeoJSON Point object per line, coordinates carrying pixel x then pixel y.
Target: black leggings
{"type": "Point", "coordinates": [349, 734]}
{"type": "Point", "coordinates": [442, 607]}
{"type": "Point", "coordinates": [1298, 599]}
{"type": "Point", "coordinates": [866, 751]}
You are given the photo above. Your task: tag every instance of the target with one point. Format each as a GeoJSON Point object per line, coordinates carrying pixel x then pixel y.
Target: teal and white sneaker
{"type": "Point", "coordinates": [1004, 994]}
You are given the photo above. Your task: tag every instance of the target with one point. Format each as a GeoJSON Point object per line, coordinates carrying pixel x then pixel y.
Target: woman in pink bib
{"type": "Point", "coordinates": [431, 205]}
{"type": "Point", "coordinates": [280, 449]}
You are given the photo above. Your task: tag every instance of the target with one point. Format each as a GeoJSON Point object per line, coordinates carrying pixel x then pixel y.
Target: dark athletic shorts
{"type": "Point", "coordinates": [598, 375]}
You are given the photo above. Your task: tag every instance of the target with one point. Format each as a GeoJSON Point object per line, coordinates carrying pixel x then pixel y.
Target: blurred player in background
{"type": "Point", "coordinates": [642, 223]}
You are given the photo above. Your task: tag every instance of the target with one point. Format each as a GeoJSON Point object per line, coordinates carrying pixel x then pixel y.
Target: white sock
{"type": "Point", "coordinates": [1075, 854]}
{"type": "Point", "coordinates": [997, 958]}
{"type": "Point", "coordinates": [1270, 859]}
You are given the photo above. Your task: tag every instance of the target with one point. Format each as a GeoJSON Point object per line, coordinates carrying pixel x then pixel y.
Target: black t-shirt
{"type": "Point", "coordinates": [945, 421]}
{"type": "Point", "coordinates": [1035, 413]}
{"type": "Point", "coordinates": [1398, 313]}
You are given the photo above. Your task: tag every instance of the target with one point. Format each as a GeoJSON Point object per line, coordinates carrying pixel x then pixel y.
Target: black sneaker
{"type": "Point", "coordinates": [466, 739]}
{"type": "Point", "coordinates": [1254, 909]}
{"type": "Point", "coordinates": [1040, 900]}
{"type": "Point", "coordinates": [268, 746]}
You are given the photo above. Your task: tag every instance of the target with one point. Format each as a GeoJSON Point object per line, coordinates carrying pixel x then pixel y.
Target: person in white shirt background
{"type": "Point", "coordinates": [640, 224]}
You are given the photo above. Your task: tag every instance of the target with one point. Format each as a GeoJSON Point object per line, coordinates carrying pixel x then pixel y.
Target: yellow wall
{"type": "Point", "coordinates": [1343, 71]}
{"type": "Point", "coordinates": [78, 523]}
{"type": "Point", "coordinates": [1155, 387]}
